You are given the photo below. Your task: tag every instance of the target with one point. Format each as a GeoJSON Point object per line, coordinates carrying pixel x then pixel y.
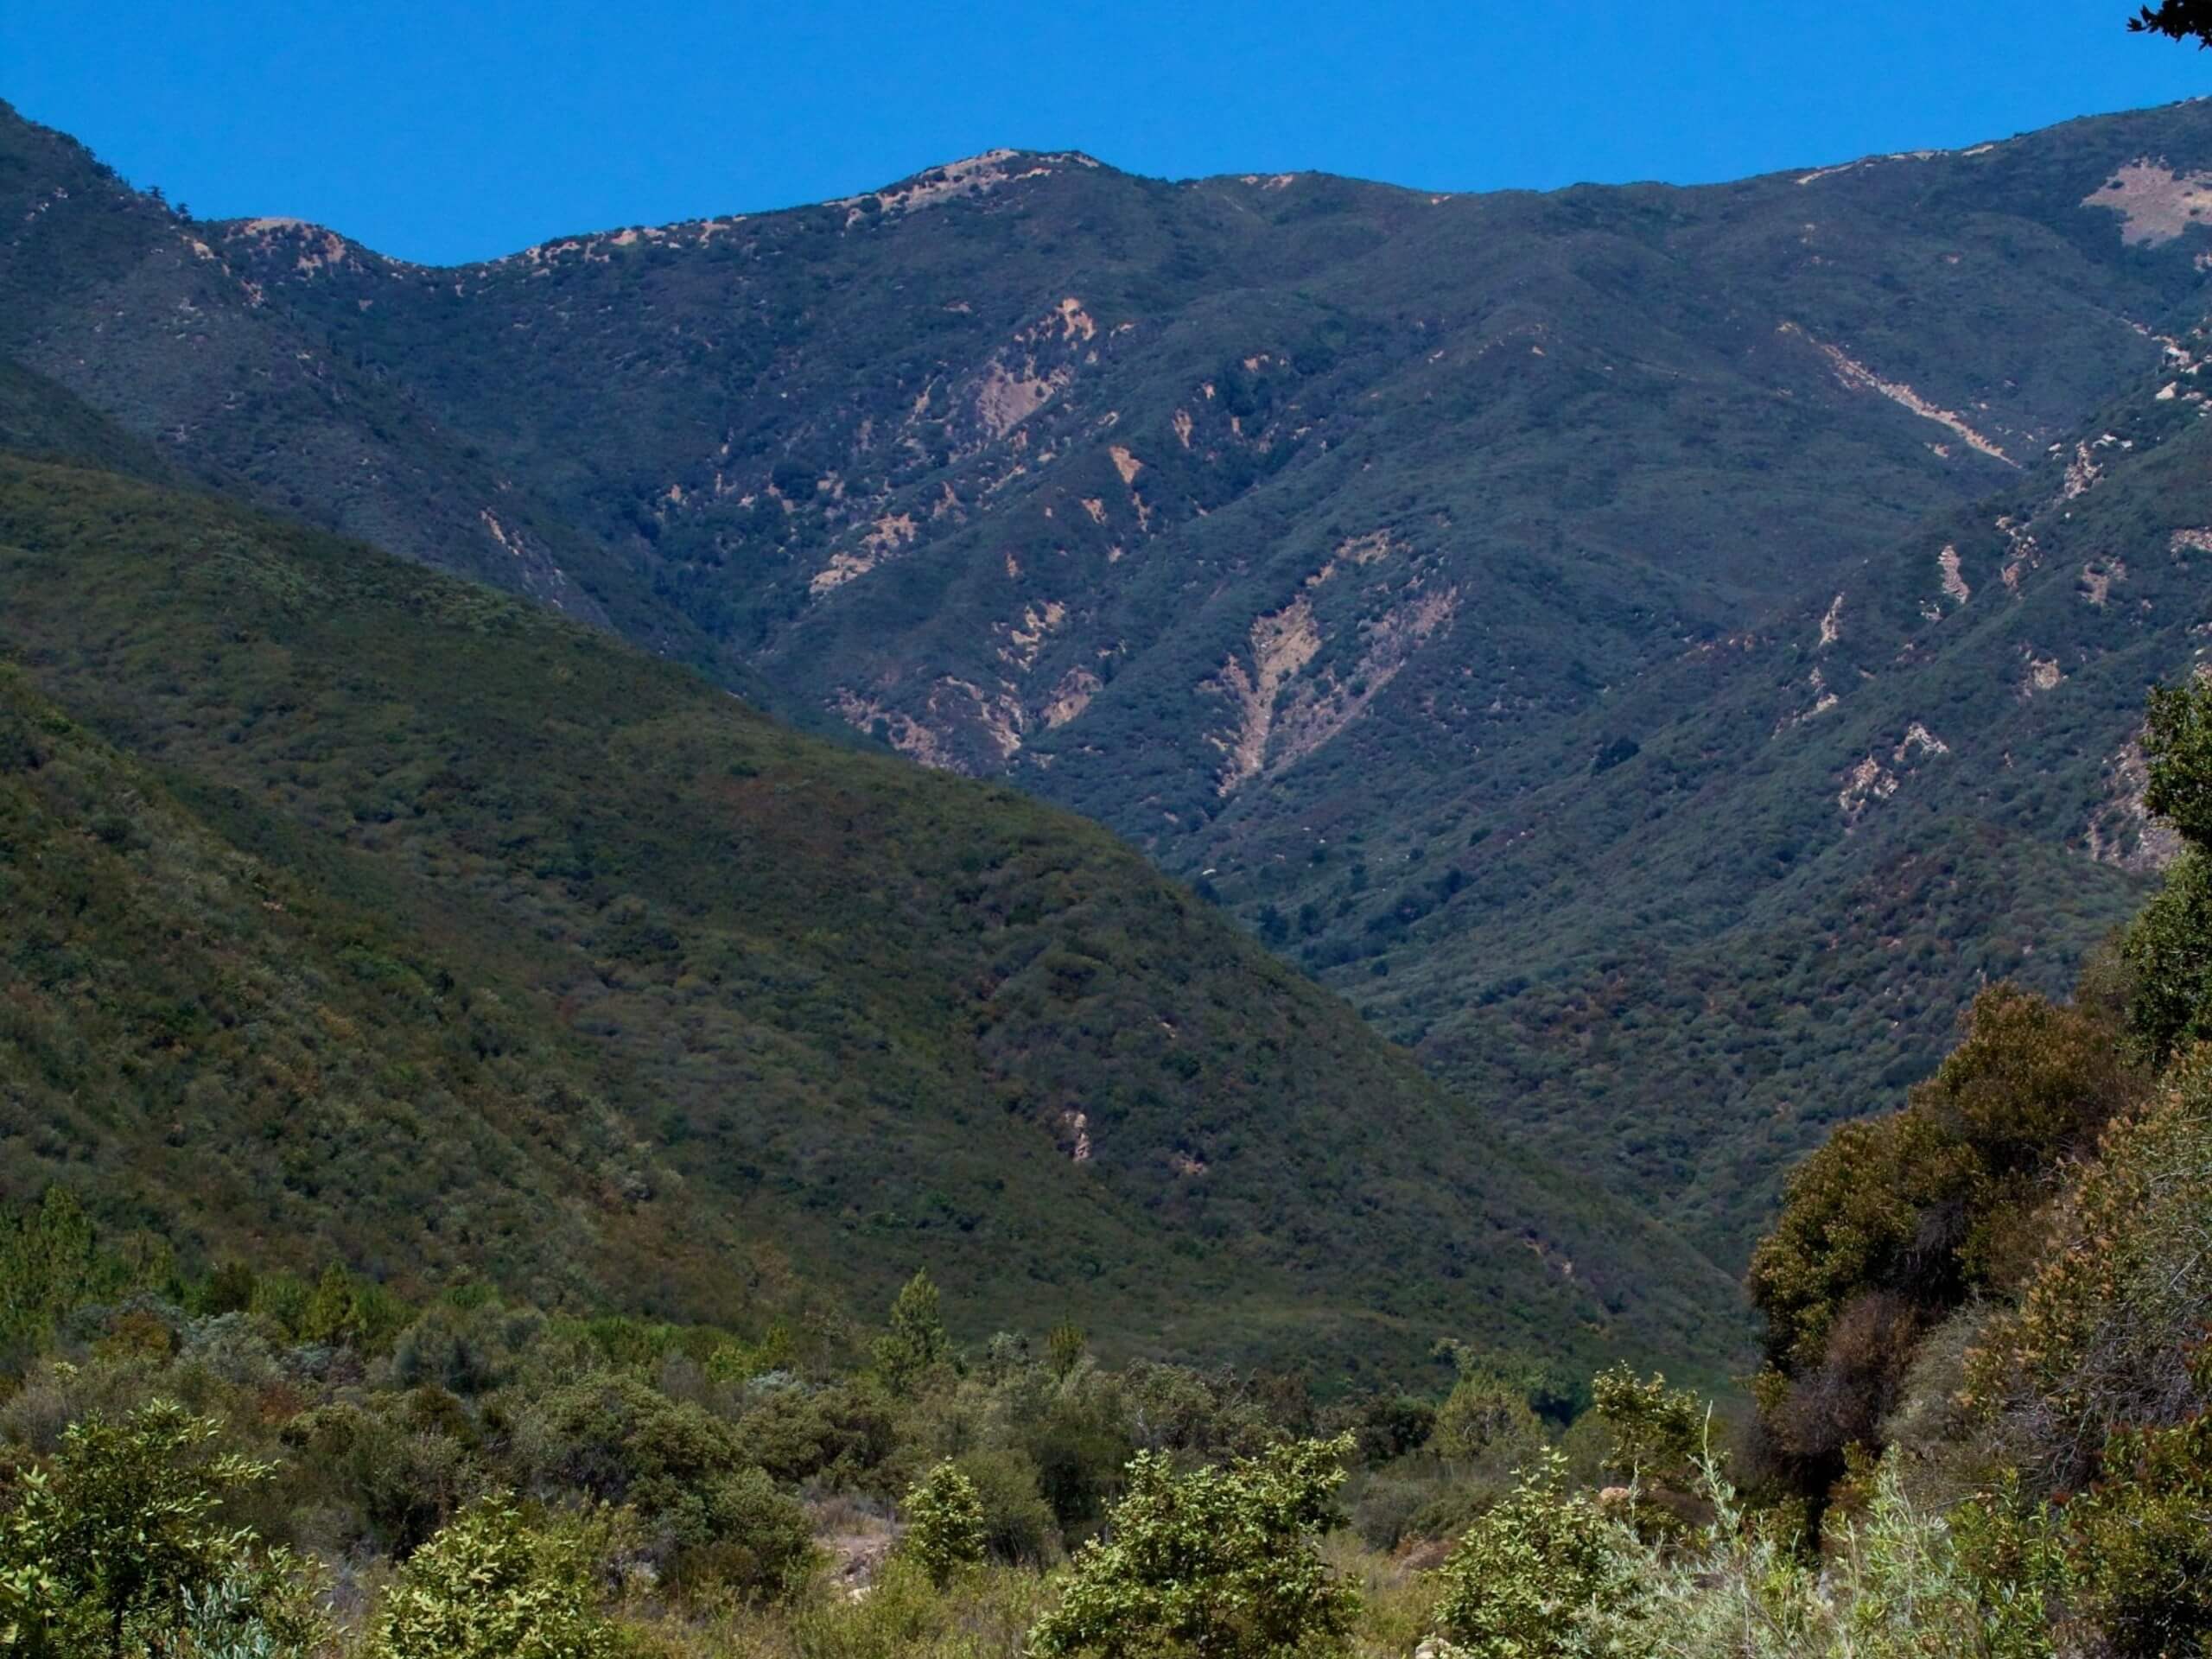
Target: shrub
{"type": "Point", "coordinates": [944, 1524]}
{"type": "Point", "coordinates": [2102, 1334]}
{"type": "Point", "coordinates": [489, 1586]}
{"type": "Point", "coordinates": [1222, 1562]}
{"type": "Point", "coordinates": [2140, 1539]}
{"type": "Point", "coordinates": [120, 1528]}
{"type": "Point", "coordinates": [715, 1516]}
{"type": "Point", "coordinates": [1017, 1524]}
{"type": "Point", "coordinates": [1546, 1574]}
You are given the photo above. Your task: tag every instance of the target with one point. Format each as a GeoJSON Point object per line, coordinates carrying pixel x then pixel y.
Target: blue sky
{"type": "Point", "coordinates": [446, 132]}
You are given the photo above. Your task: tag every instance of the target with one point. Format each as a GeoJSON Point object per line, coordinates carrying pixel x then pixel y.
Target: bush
{"type": "Point", "coordinates": [120, 1530]}
{"type": "Point", "coordinates": [2141, 1538]}
{"type": "Point", "coordinates": [714, 1516]}
{"type": "Point", "coordinates": [1546, 1574]}
{"type": "Point", "coordinates": [944, 1524]}
{"type": "Point", "coordinates": [1017, 1524]}
{"type": "Point", "coordinates": [1222, 1562]}
{"type": "Point", "coordinates": [489, 1586]}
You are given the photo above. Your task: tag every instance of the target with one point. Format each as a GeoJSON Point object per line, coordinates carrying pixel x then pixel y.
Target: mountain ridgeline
{"type": "Point", "coordinates": [1653, 650]}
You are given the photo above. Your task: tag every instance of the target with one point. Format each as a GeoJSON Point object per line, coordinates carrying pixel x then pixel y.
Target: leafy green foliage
{"type": "Point", "coordinates": [1898, 1220]}
{"type": "Point", "coordinates": [2138, 1539]}
{"type": "Point", "coordinates": [1220, 1561]}
{"type": "Point", "coordinates": [945, 1522]}
{"type": "Point", "coordinates": [708, 1512]}
{"type": "Point", "coordinates": [2102, 1334]}
{"type": "Point", "coordinates": [493, 1586]}
{"type": "Point", "coordinates": [106, 1545]}
{"type": "Point", "coordinates": [1547, 1573]}
{"type": "Point", "coordinates": [917, 1340]}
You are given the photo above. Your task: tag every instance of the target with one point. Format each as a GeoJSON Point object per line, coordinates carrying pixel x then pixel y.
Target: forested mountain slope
{"type": "Point", "coordinates": [357, 907]}
{"type": "Point", "coordinates": [1336, 543]}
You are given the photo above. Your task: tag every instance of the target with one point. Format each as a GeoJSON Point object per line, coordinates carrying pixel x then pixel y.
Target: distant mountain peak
{"type": "Point", "coordinates": [971, 175]}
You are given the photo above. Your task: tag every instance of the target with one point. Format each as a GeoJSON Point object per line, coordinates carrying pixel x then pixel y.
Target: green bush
{"type": "Point", "coordinates": [1546, 1574]}
{"type": "Point", "coordinates": [490, 1586]}
{"type": "Point", "coordinates": [944, 1524]}
{"type": "Point", "coordinates": [714, 1517]}
{"type": "Point", "coordinates": [2140, 1540]}
{"type": "Point", "coordinates": [1222, 1562]}
{"type": "Point", "coordinates": [119, 1529]}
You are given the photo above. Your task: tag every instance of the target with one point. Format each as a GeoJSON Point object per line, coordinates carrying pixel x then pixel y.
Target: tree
{"type": "Point", "coordinates": [1222, 1562]}
{"type": "Point", "coordinates": [917, 1340]}
{"type": "Point", "coordinates": [2178, 20]}
{"type": "Point", "coordinates": [1064, 1347]}
{"type": "Point", "coordinates": [1485, 1416]}
{"type": "Point", "coordinates": [1659, 1448]}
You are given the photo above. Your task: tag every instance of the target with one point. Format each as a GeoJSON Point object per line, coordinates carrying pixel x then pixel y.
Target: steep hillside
{"type": "Point", "coordinates": [414, 919]}
{"type": "Point", "coordinates": [1821, 834]}
{"type": "Point", "coordinates": [1335, 544]}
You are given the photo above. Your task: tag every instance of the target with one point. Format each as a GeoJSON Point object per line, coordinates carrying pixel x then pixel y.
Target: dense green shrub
{"type": "Point", "coordinates": [1546, 1574]}
{"type": "Point", "coordinates": [1222, 1562]}
{"type": "Point", "coordinates": [107, 1543]}
{"type": "Point", "coordinates": [491, 1586]}
{"type": "Point", "coordinates": [944, 1524]}
{"type": "Point", "coordinates": [713, 1517]}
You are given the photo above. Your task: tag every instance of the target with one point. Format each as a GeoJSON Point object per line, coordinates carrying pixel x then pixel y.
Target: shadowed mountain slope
{"type": "Point", "coordinates": [373, 909]}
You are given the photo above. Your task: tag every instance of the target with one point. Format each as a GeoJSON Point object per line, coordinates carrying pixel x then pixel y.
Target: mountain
{"type": "Point", "coordinates": [359, 906]}
{"type": "Point", "coordinates": [1436, 581]}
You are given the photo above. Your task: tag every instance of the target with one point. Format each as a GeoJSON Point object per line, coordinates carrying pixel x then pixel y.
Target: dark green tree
{"type": "Point", "coordinates": [2178, 20]}
{"type": "Point", "coordinates": [916, 1341]}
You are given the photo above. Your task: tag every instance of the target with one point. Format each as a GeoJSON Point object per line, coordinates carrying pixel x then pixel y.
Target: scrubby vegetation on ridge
{"type": "Point", "coordinates": [1984, 1430]}
{"type": "Point", "coordinates": [381, 917]}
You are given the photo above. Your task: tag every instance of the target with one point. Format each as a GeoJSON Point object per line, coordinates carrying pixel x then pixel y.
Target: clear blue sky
{"type": "Point", "coordinates": [446, 132]}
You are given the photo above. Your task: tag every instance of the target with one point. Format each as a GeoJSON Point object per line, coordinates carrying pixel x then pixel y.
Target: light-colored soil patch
{"type": "Point", "coordinates": [1005, 399]}
{"type": "Point", "coordinates": [1819, 173]}
{"type": "Point", "coordinates": [2121, 830]}
{"type": "Point", "coordinates": [901, 730]}
{"type": "Point", "coordinates": [889, 534]}
{"type": "Point", "coordinates": [2042, 674]}
{"type": "Point", "coordinates": [314, 249]}
{"type": "Point", "coordinates": [2022, 552]}
{"type": "Point", "coordinates": [1954, 585]}
{"type": "Point", "coordinates": [1282, 642]}
{"type": "Point", "coordinates": [972, 176]}
{"type": "Point", "coordinates": [1868, 781]}
{"type": "Point", "coordinates": [2155, 203]}
{"type": "Point", "coordinates": [1075, 322]}
{"type": "Point", "coordinates": [1918, 740]}
{"type": "Point", "coordinates": [1824, 699]}
{"type": "Point", "coordinates": [1125, 463]}
{"type": "Point", "coordinates": [1321, 711]}
{"type": "Point", "coordinates": [2082, 473]}
{"type": "Point", "coordinates": [1857, 376]}
{"type": "Point", "coordinates": [1070, 697]}
{"type": "Point", "coordinates": [2098, 577]}
{"type": "Point", "coordinates": [1027, 638]}
{"type": "Point", "coordinates": [1832, 623]}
